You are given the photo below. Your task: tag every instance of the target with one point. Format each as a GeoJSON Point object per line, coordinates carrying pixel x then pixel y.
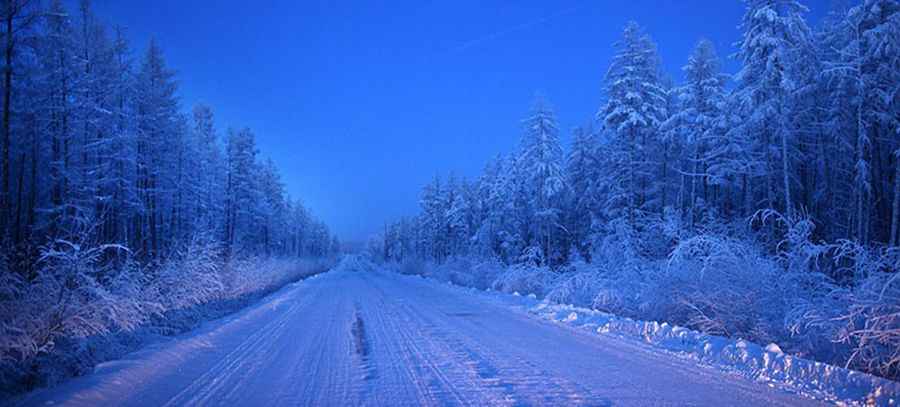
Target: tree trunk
{"type": "Point", "coordinates": [665, 178]}
{"type": "Point", "coordinates": [788, 204]}
{"type": "Point", "coordinates": [33, 190]}
{"type": "Point", "coordinates": [632, 157]}
{"type": "Point", "coordinates": [17, 233]}
{"type": "Point", "coordinates": [895, 213]}
{"type": "Point", "coordinates": [693, 188]}
{"type": "Point", "coordinates": [7, 97]}
{"type": "Point", "coordinates": [862, 188]}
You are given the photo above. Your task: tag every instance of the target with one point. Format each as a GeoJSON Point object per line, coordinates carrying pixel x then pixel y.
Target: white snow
{"type": "Point", "coordinates": [358, 336]}
{"type": "Point", "coordinates": [764, 364]}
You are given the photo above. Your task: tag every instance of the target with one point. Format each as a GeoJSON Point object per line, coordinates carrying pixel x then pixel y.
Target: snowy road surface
{"type": "Point", "coordinates": [375, 338]}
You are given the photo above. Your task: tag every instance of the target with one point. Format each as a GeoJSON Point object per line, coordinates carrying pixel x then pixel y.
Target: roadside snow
{"type": "Point", "coordinates": [766, 364]}
{"type": "Point", "coordinates": [362, 336]}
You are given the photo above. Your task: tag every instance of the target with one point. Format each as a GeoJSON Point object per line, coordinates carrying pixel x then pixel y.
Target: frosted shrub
{"type": "Point", "coordinates": [458, 270]}
{"type": "Point", "coordinates": [796, 250]}
{"type": "Point", "coordinates": [626, 289]}
{"type": "Point", "coordinates": [615, 257]}
{"type": "Point", "coordinates": [190, 278]}
{"type": "Point", "coordinates": [72, 313]}
{"type": "Point", "coordinates": [74, 302]}
{"type": "Point", "coordinates": [16, 324]}
{"type": "Point", "coordinates": [412, 266]}
{"type": "Point", "coordinates": [128, 307]}
{"type": "Point", "coordinates": [813, 323]}
{"type": "Point", "coordinates": [73, 296]}
{"type": "Point", "coordinates": [435, 271]}
{"type": "Point", "coordinates": [579, 286]}
{"type": "Point", "coordinates": [257, 275]}
{"type": "Point", "coordinates": [872, 315]}
{"type": "Point", "coordinates": [618, 245]}
{"type": "Point", "coordinates": [723, 286]}
{"type": "Point", "coordinates": [873, 325]}
{"type": "Point", "coordinates": [525, 279]}
{"type": "Point", "coordinates": [486, 272]}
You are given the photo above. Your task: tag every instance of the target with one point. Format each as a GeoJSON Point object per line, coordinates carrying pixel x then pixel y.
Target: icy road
{"type": "Point", "coordinates": [374, 338]}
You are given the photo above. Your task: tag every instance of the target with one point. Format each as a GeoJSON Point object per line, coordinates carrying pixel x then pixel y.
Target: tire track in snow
{"type": "Point", "coordinates": [322, 373]}
{"type": "Point", "coordinates": [361, 346]}
{"type": "Point", "coordinates": [398, 382]}
{"type": "Point", "coordinates": [422, 348]}
{"type": "Point", "coordinates": [239, 363]}
{"type": "Point", "coordinates": [518, 380]}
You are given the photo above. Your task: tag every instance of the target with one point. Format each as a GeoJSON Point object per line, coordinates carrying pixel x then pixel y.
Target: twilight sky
{"type": "Point", "coordinates": [360, 103]}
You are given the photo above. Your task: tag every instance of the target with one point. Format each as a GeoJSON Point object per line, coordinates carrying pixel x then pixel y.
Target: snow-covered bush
{"type": "Point", "coordinates": [465, 271]}
{"type": "Point", "coordinates": [577, 285]}
{"type": "Point", "coordinates": [70, 298]}
{"type": "Point", "coordinates": [485, 272]}
{"type": "Point", "coordinates": [526, 279]}
{"type": "Point", "coordinates": [412, 266]}
{"type": "Point", "coordinates": [578, 288]}
{"type": "Point", "coordinates": [16, 341]}
{"type": "Point", "coordinates": [870, 316]}
{"type": "Point", "coordinates": [74, 295]}
{"type": "Point", "coordinates": [715, 283]}
{"type": "Point", "coordinates": [725, 287]}
{"type": "Point", "coordinates": [252, 276]}
{"type": "Point", "coordinates": [873, 325]}
{"type": "Point", "coordinates": [617, 242]}
{"type": "Point", "coordinates": [457, 270]}
{"type": "Point", "coordinates": [189, 278]}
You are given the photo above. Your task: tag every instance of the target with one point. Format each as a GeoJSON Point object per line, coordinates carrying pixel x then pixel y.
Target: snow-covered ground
{"type": "Point", "coordinates": [357, 336]}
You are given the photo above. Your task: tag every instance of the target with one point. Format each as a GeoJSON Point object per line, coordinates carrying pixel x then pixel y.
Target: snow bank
{"type": "Point", "coordinates": [768, 364]}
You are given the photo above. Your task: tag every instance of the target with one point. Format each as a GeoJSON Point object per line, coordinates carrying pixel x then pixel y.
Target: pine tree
{"type": "Point", "coordinates": [18, 17]}
{"type": "Point", "coordinates": [241, 197]}
{"type": "Point", "coordinates": [541, 162]}
{"type": "Point", "coordinates": [155, 116]}
{"type": "Point", "coordinates": [634, 109]}
{"type": "Point", "coordinates": [695, 123]}
{"type": "Point", "coordinates": [582, 174]}
{"type": "Point", "coordinates": [875, 48]}
{"type": "Point", "coordinates": [773, 30]}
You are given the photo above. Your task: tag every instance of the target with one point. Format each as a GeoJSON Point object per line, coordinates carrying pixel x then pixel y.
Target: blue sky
{"type": "Point", "coordinates": [361, 103]}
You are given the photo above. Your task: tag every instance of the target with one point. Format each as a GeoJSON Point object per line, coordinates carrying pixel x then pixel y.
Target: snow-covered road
{"type": "Point", "coordinates": [375, 338]}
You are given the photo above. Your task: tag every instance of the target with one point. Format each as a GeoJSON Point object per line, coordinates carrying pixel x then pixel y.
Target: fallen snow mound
{"type": "Point", "coordinates": [767, 364]}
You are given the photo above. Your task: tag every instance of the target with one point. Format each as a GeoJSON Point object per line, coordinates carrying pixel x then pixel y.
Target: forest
{"type": "Point", "coordinates": [123, 213]}
{"type": "Point", "coordinates": [763, 204]}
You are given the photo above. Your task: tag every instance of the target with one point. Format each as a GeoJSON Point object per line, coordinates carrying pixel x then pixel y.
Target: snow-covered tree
{"type": "Point", "coordinates": [773, 31]}
{"type": "Point", "coordinates": [582, 172]}
{"type": "Point", "coordinates": [695, 125]}
{"type": "Point", "coordinates": [634, 109]}
{"type": "Point", "coordinates": [541, 163]}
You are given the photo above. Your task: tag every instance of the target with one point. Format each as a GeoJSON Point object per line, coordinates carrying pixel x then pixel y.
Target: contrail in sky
{"type": "Point", "coordinates": [502, 33]}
